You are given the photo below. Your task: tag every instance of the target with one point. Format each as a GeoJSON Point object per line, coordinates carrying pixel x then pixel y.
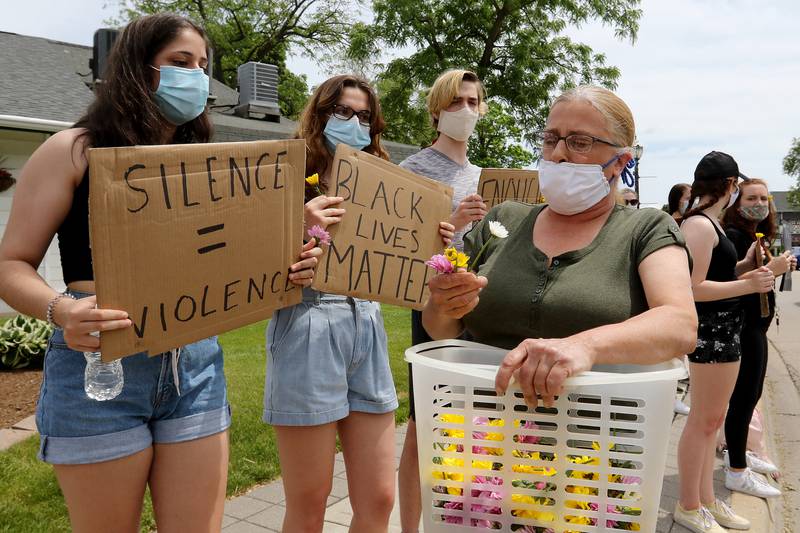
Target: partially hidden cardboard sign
{"type": "Point", "coordinates": [500, 184]}
{"type": "Point", "coordinates": [193, 240]}
{"type": "Point", "coordinates": [389, 230]}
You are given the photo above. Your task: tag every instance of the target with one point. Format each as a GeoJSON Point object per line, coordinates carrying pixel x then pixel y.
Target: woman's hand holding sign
{"type": "Point", "coordinates": [302, 272]}
{"type": "Point", "coordinates": [321, 211]}
{"type": "Point", "coordinates": [470, 209]}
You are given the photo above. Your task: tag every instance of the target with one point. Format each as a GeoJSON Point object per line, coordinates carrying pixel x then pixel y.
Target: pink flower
{"type": "Point", "coordinates": [440, 264]}
{"type": "Point", "coordinates": [319, 235]}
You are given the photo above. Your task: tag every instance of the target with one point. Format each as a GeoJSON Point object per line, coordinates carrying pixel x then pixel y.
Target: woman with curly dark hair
{"type": "Point", "coordinates": [168, 427]}
{"type": "Point", "coordinates": [751, 216]}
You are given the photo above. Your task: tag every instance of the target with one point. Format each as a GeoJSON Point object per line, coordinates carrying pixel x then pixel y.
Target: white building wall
{"type": "Point", "coordinates": [17, 147]}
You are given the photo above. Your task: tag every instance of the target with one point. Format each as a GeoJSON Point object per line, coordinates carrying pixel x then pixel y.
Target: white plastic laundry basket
{"type": "Point", "coordinates": [593, 462]}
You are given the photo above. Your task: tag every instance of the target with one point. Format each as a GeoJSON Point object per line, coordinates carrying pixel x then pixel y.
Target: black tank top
{"type": "Point", "coordinates": [73, 237]}
{"type": "Point", "coordinates": [722, 267]}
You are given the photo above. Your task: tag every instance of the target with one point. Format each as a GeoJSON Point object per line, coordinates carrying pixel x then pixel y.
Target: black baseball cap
{"type": "Point", "coordinates": [717, 166]}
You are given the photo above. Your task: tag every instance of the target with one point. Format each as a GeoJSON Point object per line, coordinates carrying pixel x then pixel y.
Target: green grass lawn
{"type": "Point", "coordinates": [32, 501]}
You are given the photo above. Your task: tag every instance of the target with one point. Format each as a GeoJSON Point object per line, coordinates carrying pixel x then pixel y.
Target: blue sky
{"type": "Point", "coordinates": [703, 75]}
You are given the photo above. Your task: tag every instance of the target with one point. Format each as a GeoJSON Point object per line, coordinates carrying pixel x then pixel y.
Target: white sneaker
{"type": "Point", "coordinates": [754, 463]}
{"type": "Point", "coordinates": [700, 520]}
{"type": "Point", "coordinates": [725, 516]}
{"type": "Point", "coordinates": [750, 483]}
{"type": "Point", "coordinates": [680, 407]}
{"type": "Point", "coordinates": [757, 464]}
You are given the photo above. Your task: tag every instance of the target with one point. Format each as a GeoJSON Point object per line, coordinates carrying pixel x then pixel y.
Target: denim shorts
{"type": "Point", "coordinates": [326, 356]}
{"type": "Point", "coordinates": [74, 429]}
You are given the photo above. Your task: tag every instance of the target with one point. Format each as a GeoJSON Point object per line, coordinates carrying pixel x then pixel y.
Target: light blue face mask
{"type": "Point", "coordinates": [350, 132]}
{"type": "Point", "coordinates": [182, 93]}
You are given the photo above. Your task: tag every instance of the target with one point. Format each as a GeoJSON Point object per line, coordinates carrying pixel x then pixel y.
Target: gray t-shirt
{"type": "Point", "coordinates": [433, 164]}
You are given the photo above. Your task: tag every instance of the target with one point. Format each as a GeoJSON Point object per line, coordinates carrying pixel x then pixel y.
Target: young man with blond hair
{"type": "Point", "coordinates": [455, 103]}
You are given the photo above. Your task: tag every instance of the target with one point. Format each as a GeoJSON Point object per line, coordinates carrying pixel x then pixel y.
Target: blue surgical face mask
{"type": "Point", "coordinates": [350, 132]}
{"type": "Point", "coordinates": [182, 93]}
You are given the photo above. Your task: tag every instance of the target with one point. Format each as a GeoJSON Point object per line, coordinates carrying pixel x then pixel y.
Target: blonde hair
{"type": "Point", "coordinates": [446, 88]}
{"type": "Point", "coordinates": [616, 112]}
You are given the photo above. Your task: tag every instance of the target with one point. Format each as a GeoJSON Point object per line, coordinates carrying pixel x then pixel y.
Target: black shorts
{"type": "Point", "coordinates": [718, 337]}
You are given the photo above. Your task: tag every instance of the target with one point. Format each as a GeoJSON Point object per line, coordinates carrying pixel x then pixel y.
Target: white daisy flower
{"type": "Point", "coordinates": [498, 230]}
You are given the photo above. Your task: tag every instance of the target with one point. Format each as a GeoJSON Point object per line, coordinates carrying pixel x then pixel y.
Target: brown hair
{"type": "Point", "coordinates": [674, 198]}
{"type": "Point", "coordinates": [714, 188]}
{"type": "Point", "coordinates": [732, 217]}
{"type": "Point", "coordinates": [316, 113]}
{"type": "Point", "coordinates": [123, 112]}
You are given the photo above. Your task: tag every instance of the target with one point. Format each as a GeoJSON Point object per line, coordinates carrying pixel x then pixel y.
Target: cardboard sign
{"type": "Point", "coordinates": [193, 240]}
{"type": "Point", "coordinates": [390, 229]}
{"type": "Point", "coordinates": [500, 184]}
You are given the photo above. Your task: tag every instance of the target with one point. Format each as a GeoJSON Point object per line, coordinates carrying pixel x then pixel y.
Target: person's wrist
{"type": "Point", "coordinates": [58, 309]}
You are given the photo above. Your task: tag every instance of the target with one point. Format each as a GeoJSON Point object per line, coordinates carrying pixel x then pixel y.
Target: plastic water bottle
{"type": "Point", "coordinates": [102, 381]}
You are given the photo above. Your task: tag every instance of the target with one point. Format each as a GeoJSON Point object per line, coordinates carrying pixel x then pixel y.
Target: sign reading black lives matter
{"type": "Point", "coordinates": [193, 240]}
{"type": "Point", "coordinates": [391, 227]}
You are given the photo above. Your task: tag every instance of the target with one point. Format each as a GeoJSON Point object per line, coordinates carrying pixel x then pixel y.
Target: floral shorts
{"type": "Point", "coordinates": [718, 337]}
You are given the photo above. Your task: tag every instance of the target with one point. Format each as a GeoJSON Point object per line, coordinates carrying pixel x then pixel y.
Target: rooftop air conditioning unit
{"type": "Point", "coordinates": [258, 91]}
{"type": "Point", "coordinates": [104, 39]}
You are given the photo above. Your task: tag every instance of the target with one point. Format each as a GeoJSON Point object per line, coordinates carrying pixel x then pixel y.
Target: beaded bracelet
{"type": "Point", "coordinates": [51, 307]}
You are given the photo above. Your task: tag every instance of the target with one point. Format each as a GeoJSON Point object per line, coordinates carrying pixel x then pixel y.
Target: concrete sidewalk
{"type": "Point", "coordinates": [261, 509]}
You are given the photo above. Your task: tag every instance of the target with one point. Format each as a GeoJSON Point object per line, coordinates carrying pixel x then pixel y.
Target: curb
{"type": "Point", "coordinates": [783, 413]}
{"type": "Point", "coordinates": [18, 432]}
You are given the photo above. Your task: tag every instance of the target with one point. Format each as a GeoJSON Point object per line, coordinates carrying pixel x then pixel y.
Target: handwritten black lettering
{"type": "Point", "coordinates": [228, 294]}
{"type": "Point", "coordinates": [137, 189]}
{"type": "Point", "coordinates": [244, 179]}
{"type": "Point", "coordinates": [211, 180]}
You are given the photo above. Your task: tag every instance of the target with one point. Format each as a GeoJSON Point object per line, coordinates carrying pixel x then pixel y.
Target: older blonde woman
{"type": "Point", "coordinates": [579, 281]}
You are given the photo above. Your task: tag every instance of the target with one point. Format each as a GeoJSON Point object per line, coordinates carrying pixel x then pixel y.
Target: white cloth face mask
{"type": "Point", "coordinates": [458, 125]}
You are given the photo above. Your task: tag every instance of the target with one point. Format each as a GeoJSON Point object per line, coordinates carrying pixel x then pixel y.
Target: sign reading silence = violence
{"type": "Point", "coordinates": [193, 240]}
{"type": "Point", "coordinates": [391, 227]}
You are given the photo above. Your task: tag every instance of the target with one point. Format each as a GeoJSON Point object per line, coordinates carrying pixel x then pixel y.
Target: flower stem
{"type": "Point", "coordinates": [480, 253]}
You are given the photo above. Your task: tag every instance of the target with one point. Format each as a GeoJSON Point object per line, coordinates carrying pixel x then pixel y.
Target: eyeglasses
{"type": "Point", "coordinates": [576, 142]}
{"type": "Point", "coordinates": [346, 113]}
{"type": "Point", "coordinates": [634, 202]}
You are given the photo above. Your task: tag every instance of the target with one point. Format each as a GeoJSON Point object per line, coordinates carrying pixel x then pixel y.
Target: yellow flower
{"type": "Point", "coordinates": [451, 254]}
{"type": "Point", "coordinates": [452, 419]}
{"type": "Point", "coordinates": [462, 260]}
{"type": "Point", "coordinates": [544, 516]}
{"type": "Point", "coordinates": [583, 520]}
{"type": "Point", "coordinates": [486, 465]}
{"type": "Point", "coordinates": [572, 504]}
{"type": "Point", "coordinates": [575, 489]}
{"type": "Point", "coordinates": [530, 469]}
{"type": "Point", "coordinates": [759, 235]}
{"type": "Point", "coordinates": [313, 180]}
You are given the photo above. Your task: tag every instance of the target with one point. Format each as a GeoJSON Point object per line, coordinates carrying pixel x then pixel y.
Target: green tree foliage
{"type": "Point", "coordinates": [517, 47]}
{"type": "Point", "coordinates": [259, 30]}
{"type": "Point", "coordinates": [497, 139]}
{"type": "Point", "coordinates": [791, 166]}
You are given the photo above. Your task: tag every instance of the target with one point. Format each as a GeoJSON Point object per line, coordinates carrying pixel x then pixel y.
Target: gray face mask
{"type": "Point", "coordinates": [683, 206]}
{"type": "Point", "coordinates": [754, 213]}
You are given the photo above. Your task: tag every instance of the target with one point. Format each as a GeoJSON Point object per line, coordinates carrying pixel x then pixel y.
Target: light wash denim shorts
{"type": "Point", "coordinates": [74, 429]}
{"type": "Point", "coordinates": [326, 357]}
